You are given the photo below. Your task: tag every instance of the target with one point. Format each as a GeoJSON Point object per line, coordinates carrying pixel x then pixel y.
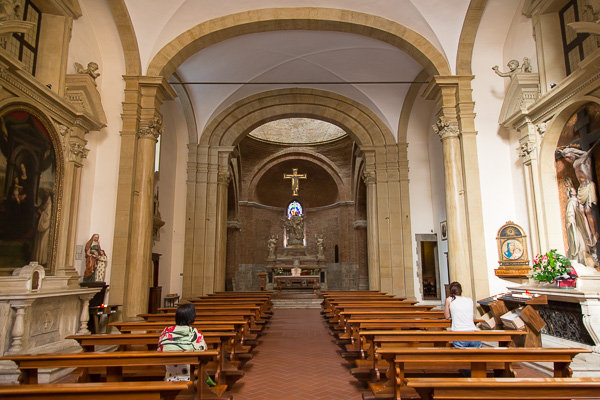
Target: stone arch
{"type": "Point", "coordinates": [205, 34]}
{"type": "Point", "coordinates": [554, 238]}
{"type": "Point", "coordinates": [303, 155]}
{"type": "Point", "coordinates": [468, 33]}
{"type": "Point", "coordinates": [131, 51]}
{"type": "Point", "coordinates": [235, 122]}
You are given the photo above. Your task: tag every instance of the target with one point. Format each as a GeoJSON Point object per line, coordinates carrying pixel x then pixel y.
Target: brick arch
{"type": "Point", "coordinates": [235, 122]}
{"type": "Point", "coordinates": [208, 33]}
{"type": "Point", "coordinates": [287, 154]}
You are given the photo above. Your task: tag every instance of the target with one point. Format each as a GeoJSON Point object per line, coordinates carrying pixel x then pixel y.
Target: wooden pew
{"type": "Point", "coordinates": [226, 372]}
{"type": "Point", "coordinates": [29, 364]}
{"type": "Point", "coordinates": [266, 306]}
{"type": "Point", "coordinates": [365, 301]}
{"type": "Point", "coordinates": [95, 391]}
{"type": "Point", "coordinates": [389, 306]}
{"type": "Point", "coordinates": [254, 324]}
{"type": "Point", "coordinates": [402, 359]}
{"type": "Point", "coordinates": [505, 388]}
{"type": "Point", "coordinates": [371, 364]}
{"type": "Point", "coordinates": [344, 326]}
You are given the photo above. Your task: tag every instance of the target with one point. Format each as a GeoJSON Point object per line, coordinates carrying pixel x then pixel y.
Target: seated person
{"type": "Point", "coordinates": [181, 337]}
{"type": "Point", "coordinates": [460, 310]}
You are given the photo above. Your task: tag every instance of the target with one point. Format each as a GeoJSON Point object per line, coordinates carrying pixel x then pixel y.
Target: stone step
{"type": "Point", "coordinates": [297, 303]}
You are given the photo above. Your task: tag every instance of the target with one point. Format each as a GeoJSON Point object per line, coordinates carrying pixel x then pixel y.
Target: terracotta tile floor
{"type": "Point", "coordinates": [297, 358]}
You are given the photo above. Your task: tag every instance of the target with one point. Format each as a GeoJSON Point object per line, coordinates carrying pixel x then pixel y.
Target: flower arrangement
{"type": "Point", "coordinates": [551, 266]}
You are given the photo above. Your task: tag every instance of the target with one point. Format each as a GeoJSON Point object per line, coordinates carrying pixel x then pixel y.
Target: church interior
{"type": "Point", "coordinates": [157, 152]}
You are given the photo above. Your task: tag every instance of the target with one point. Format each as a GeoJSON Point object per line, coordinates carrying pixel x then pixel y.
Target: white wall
{"type": "Point", "coordinates": [422, 192]}
{"type": "Point", "coordinates": [504, 34]}
{"type": "Point", "coordinates": [95, 38]}
{"type": "Point", "coordinates": [172, 194]}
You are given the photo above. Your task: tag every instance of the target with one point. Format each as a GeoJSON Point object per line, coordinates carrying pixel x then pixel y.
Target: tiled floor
{"type": "Point", "coordinates": [297, 359]}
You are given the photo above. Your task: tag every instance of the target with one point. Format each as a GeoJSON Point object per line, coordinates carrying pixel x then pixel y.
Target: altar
{"type": "Point", "coordinates": [297, 282]}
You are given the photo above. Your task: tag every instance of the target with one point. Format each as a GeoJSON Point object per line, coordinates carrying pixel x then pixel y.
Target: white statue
{"type": "Point", "coordinates": [513, 68]}
{"type": "Point", "coordinates": [296, 270]}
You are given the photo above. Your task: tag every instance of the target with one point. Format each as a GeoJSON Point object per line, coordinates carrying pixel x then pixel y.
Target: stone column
{"type": "Point", "coordinates": [84, 317]}
{"type": "Point", "coordinates": [372, 232]}
{"type": "Point", "coordinates": [455, 206]}
{"type": "Point", "coordinates": [18, 329]}
{"type": "Point", "coordinates": [139, 271]}
{"type": "Point", "coordinates": [528, 154]}
{"type": "Point", "coordinates": [223, 179]}
{"type": "Point", "coordinates": [75, 153]}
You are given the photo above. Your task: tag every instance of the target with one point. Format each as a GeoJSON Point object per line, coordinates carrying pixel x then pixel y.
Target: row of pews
{"type": "Point", "coordinates": [402, 350]}
{"type": "Point", "coordinates": [231, 323]}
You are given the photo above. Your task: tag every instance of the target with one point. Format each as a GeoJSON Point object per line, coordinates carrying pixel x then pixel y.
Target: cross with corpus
{"type": "Point", "coordinates": [295, 180]}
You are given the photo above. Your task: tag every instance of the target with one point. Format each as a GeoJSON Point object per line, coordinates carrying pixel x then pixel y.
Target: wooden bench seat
{"type": "Point", "coordinates": [95, 391]}
{"type": "Point", "coordinates": [505, 388]}
{"type": "Point", "coordinates": [371, 365]}
{"type": "Point", "coordinates": [347, 330]}
{"type": "Point", "coordinates": [113, 362]}
{"type": "Point", "coordinates": [232, 356]}
{"type": "Point", "coordinates": [479, 360]}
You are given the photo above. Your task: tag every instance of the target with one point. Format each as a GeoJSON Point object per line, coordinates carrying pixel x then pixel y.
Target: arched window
{"type": "Point", "coordinates": [294, 208]}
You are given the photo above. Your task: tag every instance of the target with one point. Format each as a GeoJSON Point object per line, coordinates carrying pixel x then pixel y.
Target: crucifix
{"type": "Point", "coordinates": [295, 180]}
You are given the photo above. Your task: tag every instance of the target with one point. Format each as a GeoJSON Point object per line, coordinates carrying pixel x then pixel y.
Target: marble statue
{"type": "Point", "coordinates": [294, 227]}
{"type": "Point", "coordinates": [296, 270]}
{"type": "Point", "coordinates": [272, 245]}
{"type": "Point", "coordinates": [320, 246]}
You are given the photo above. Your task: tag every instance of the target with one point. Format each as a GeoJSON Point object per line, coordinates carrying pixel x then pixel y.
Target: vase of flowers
{"type": "Point", "coordinates": [553, 267]}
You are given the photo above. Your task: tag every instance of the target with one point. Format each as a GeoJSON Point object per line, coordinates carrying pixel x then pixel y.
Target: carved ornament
{"type": "Point", "coordinates": [369, 177]}
{"type": "Point", "coordinates": [154, 128]}
{"type": "Point", "coordinates": [526, 149]}
{"type": "Point", "coordinates": [77, 152]}
{"type": "Point", "coordinates": [224, 178]}
{"type": "Point", "coordinates": [443, 128]}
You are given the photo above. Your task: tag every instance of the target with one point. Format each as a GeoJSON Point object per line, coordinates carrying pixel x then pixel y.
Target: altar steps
{"type": "Point", "coordinates": [297, 302]}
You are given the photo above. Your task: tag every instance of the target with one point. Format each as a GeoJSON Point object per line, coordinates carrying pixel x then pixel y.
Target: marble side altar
{"type": "Point", "coordinates": [573, 319]}
{"type": "Point", "coordinates": [36, 313]}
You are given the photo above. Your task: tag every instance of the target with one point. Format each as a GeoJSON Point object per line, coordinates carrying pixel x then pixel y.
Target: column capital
{"type": "Point", "coordinates": [443, 128]}
{"type": "Point", "coordinates": [154, 128]}
{"type": "Point", "coordinates": [223, 178]}
{"type": "Point", "coordinates": [77, 152]}
{"type": "Point", "coordinates": [370, 177]}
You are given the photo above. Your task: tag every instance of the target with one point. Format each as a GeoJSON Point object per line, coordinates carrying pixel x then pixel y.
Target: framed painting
{"type": "Point", "coordinates": [512, 251]}
{"type": "Point", "coordinates": [28, 187]}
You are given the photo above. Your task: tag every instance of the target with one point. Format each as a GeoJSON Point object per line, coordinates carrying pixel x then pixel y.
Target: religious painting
{"type": "Point", "coordinates": [577, 167]}
{"type": "Point", "coordinates": [444, 230]}
{"type": "Point", "coordinates": [512, 251]}
{"type": "Point", "coordinates": [27, 191]}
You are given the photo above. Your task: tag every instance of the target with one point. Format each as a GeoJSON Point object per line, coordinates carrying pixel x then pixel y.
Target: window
{"type": "Point", "coordinates": [294, 208]}
{"type": "Point", "coordinates": [24, 47]}
{"type": "Point", "coordinates": [576, 46]}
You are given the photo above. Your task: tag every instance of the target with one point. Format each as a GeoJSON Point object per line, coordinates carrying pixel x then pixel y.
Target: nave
{"type": "Point", "coordinates": [291, 353]}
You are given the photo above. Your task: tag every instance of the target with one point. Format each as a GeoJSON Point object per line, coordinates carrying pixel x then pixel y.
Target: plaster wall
{"type": "Point", "coordinates": [502, 32]}
{"type": "Point", "coordinates": [438, 196]}
{"type": "Point", "coordinates": [95, 37]}
{"type": "Point", "coordinates": [171, 198]}
{"type": "Point", "coordinates": [420, 179]}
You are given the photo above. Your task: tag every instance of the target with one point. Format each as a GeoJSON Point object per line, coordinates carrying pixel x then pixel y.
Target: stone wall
{"type": "Point", "coordinates": [342, 276]}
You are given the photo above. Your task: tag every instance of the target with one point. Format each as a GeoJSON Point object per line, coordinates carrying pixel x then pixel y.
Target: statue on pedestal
{"type": "Point", "coordinates": [320, 246]}
{"type": "Point", "coordinates": [272, 245]}
{"type": "Point", "coordinates": [296, 270]}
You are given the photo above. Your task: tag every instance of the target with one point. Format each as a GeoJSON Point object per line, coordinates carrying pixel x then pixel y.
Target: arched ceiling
{"type": "Point", "coordinates": [298, 55]}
